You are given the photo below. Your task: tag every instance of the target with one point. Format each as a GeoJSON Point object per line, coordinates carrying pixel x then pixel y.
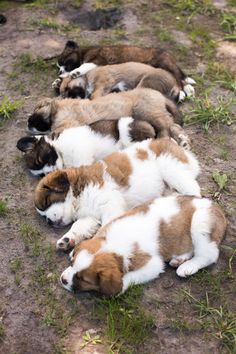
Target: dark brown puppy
{"type": "Point", "coordinates": [73, 56]}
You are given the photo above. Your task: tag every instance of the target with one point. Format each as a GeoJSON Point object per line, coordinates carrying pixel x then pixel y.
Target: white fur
{"type": "Point", "coordinates": [189, 90]}
{"type": "Point", "coordinates": [142, 230]}
{"type": "Point", "coordinates": [182, 95]}
{"type": "Point", "coordinates": [147, 180]}
{"type": "Point", "coordinates": [82, 146]}
{"type": "Point", "coordinates": [190, 81]}
{"type": "Point", "coordinates": [82, 70]}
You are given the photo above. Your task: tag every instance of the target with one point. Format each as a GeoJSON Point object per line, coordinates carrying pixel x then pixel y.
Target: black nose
{"type": "Point", "coordinates": [49, 221]}
{"type": "Point", "coordinates": [64, 281]}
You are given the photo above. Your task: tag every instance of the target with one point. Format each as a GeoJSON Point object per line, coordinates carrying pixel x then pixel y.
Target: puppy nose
{"type": "Point", "coordinates": [63, 280]}
{"type": "Point", "coordinates": [49, 221]}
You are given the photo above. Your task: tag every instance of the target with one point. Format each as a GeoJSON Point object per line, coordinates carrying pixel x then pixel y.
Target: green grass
{"type": "Point", "coordinates": [8, 107]}
{"type": "Point", "coordinates": [16, 265]}
{"type": "Point", "coordinates": [127, 323]}
{"type": "Point", "coordinates": [200, 36]}
{"type": "Point", "coordinates": [104, 4]}
{"type": "Point", "coordinates": [221, 179]}
{"type": "Point", "coordinates": [219, 74]}
{"type": "Point", "coordinates": [3, 207]}
{"type": "Point", "coordinates": [206, 113]}
{"type": "Point", "coordinates": [228, 23]}
{"type": "Point", "coordinates": [2, 331]}
{"type": "Point", "coordinates": [193, 7]}
{"type": "Point", "coordinates": [219, 321]}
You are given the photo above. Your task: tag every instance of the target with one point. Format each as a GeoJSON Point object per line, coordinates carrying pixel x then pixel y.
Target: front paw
{"type": "Point", "coordinates": [75, 73]}
{"type": "Point", "coordinates": [65, 243]}
{"type": "Point", "coordinates": [56, 84]}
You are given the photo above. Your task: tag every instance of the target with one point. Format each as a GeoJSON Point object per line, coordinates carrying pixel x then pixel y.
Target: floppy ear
{"type": "Point", "coordinates": [27, 143]}
{"type": "Point", "coordinates": [110, 274]}
{"type": "Point", "coordinates": [59, 184]}
{"type": "Point", "coordinates": [71, 44]}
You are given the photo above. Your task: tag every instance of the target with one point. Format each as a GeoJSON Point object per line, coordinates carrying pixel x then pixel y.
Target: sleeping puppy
{"type": "Point", "coordinates": [140, 104]}
{"type": "Point", "coordinates": [121, 77]}
{"type": "Point", "coordinates": [132, 249]}
{"type": "Point", "coordinates": [93, 195]}
{"type": "Point", "coordinates": [81, 145]}
{"type": "Point", "coordinates": [73, 56]}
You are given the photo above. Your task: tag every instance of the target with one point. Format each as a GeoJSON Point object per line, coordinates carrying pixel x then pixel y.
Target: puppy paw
{"type": "Point", "coordinates": [189, 90]}
{"type": "Point", "coordinates": [182, 95]}
{"type": "Point", "coordinates": [184, 141]}
{"type": "Point", "coordinates": [190, 81]}
{"type": "Point", "coordinates": [65, 243]}
{"type": "Point", "coordinates": [56, 84]}
{"type": "Point", "coordinates": [75, 73]}
{"type": "Point", "coordinates": [187, 268]}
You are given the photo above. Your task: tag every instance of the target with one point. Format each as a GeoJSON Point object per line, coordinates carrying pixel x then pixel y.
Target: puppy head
{"type": "Point", "coordinates": [40, 156]}
{"type": "Point", "coordinates": [53, 199]}
{"type": "Point", "coordinates": [69, 59]}
{"type": "Point", "coordinates": [41, 119]}
{"type": "Point", "coordinates": [102, 271]}
{"type": "Point", "coordinates": [73, 88]}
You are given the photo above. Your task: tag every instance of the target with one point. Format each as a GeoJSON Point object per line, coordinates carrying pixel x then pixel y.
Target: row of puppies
{"type": "Point", "coordinates": [94, 195]}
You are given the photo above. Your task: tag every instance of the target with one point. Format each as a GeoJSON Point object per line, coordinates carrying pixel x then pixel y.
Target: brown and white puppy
{"type": "Point", "coordinates": [73, 56]}
{"type": "Point", "coordinates": [95, 194]}
{"type": "Point", "coordinates": [140, 104]}
{"type": "Point", "coordinates": [81, 145]}
{"type": "Point", "coordinates": [132, 249]}
{"type": "Point", "coordinates": [120, 77]}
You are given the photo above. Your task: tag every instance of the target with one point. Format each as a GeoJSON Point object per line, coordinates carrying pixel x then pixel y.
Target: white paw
{"type": "Point", "coordinates": [65, 243]}
{"type": "Point", "coordinates": [187, 268]}
{"type": "Point", "coordinates": [189, 90]}
{"type": "Point", "coordinates": [190, 81]}
{"type": "Point", "coordinates": [56, 83]}
{"type": "Point", "coordinates": [184, 141]}
{"type": "Point", "coordinates": [182, 95]}
{"type": "Point", "coordinates": [75, 73]}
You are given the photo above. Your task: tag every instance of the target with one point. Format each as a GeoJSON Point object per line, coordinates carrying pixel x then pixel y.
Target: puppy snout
{"type": "Point", "coordinates": [63, 280]}
{"type": "Point", "coordinates": [49, 221]}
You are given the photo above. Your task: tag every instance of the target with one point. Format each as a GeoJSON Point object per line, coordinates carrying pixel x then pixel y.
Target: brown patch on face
{"type": "Point", "coordinates": [175, 236]}
{"type": "Point", "coordinates": [138, 259]}
{"type": "Point", "coordinates": [141, 154]}
{"type": "Point", "coordinates": [119, 167]}
{"type": "Point", "coordinates": [53, 188]}
{"type": "Point", "coordinates": [80, 177]}
{"type": "Point", "coordinates": [167, 146]}
{"type": "Point", "coordinates": [219, 224]}
{"type": "Point", "coordinates": [92, 246]}
{"type": "Point", "coordinates": [104, 275]}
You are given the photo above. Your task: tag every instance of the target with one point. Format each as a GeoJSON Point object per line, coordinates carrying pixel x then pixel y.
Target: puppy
{"type": "Point", "coordinates": [73, 56]}
{"type": "Point", "coordinates": [121, 77]}
{"type": "Point", "coordinates": [93, 195]}
{"type": "Point", "coordinates": [182, 230]}
{"type": "Point", "coordinates": [81, 145]}
{"type": "Point", "coordinates": [141, 104]}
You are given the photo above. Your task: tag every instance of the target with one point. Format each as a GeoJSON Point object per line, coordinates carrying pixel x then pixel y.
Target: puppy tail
{"type": "Point", "coordinates": [174, 111]}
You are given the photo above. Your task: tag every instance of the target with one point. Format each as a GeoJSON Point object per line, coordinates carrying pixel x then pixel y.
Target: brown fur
{"type": "Point", "coordinates": [142, 104]}
{"type": "Point", "coordinates": [119, 167]}
{"type": "Point", "coordinates": [104, 79]}
{"type": "Point", "coordinates": [138, 259]}
{"type": "Point", "coordinates": [220, 224]}
{"type": "Point", "coordinates": [142, 154]}
{"type": "Point", "coordinates": [104, 274]}
{"type": "Point", "coordinates": [167, 146]}
{"type": "Point", "coordinates": [175, 236]}
{"type": "Point", "coordinates": [121, 54]}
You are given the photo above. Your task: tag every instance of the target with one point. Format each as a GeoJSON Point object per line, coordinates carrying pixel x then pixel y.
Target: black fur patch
{"type": "Point", "coordinates": [38, 122]}
{"type": "Point", "coordinates": [76, 92]}
{"type": "Point", "coordinates": [71, 44]}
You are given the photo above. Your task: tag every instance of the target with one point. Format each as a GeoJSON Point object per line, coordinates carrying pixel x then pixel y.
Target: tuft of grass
{"type": "Point", "coordinates": [206, 113]}
{"type": "Point", "coordinates": [220, 179]}
{"type": "Point", "coordinates": [3, 207]}
{"type": "Point", "coordinates": [8, 107]}
{"type": "Point", "coordinates": [163, 35]}
{"type": "Point", "coordinates": [127, 323]}
{"type": "Point", "coordinates": [32, 239]}
{"type": "Point", "coordinates": [104, 4]}
{"type": "Point", "coordinates": [219, 74]}
{"type": "Point", "coordinates": [200, 35]}
{"type": "Point", "coordinates": [28, 64]}
{"type": "Point", "coordinates": [193, 7]}
{"type": "Point", "coordinates": [228, 23]}
{"type": "Point", "coordinates": [16, 265]}
{"type": "Point", "coordinates": [218, 321]}
{"type": "Point", "coordinates": [2, 331]}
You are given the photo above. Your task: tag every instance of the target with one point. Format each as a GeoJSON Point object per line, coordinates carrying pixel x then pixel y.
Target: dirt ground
{"type": "Point", "coordinates": [182, 316]}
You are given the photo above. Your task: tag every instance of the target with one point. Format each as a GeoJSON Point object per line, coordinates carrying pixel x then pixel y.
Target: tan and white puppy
{"type": "Point", "coordinates": [83, 145]}
{"type": "Point", "coordinates": [132, 249]}
{"type": "Point", "coordinates": [140, 104]}
{"type": "Point", "coordinates": [93, 195]}
{"type": "Point", "coordinates": [120, 77]}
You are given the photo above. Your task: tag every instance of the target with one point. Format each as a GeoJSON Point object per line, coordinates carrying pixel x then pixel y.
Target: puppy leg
{"type": "Point", "coordinates": [80, 230]}
{"type": "Point", "coordinates": [56, 84]}
{"type": "Point", "coordinates": [82, 70]}
{"type": "Point", "coordinates": [179, 135]}
{"type": "Point", "coordinates": [149, 271]}
{"type": "Point", "coordinates": [176, 261]}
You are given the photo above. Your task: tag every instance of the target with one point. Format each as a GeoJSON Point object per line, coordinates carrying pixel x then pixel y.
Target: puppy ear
{"type": "Point", "coordinates": [27, 143]}
{"type": "Point", "coordinates": [110, 274]}
{"type": "Point", "coordinates": [59, 184]}
{"type": "Point", "coordinates": [44, 102]}
{"type": "Point", "coordinates": [71, 44]}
